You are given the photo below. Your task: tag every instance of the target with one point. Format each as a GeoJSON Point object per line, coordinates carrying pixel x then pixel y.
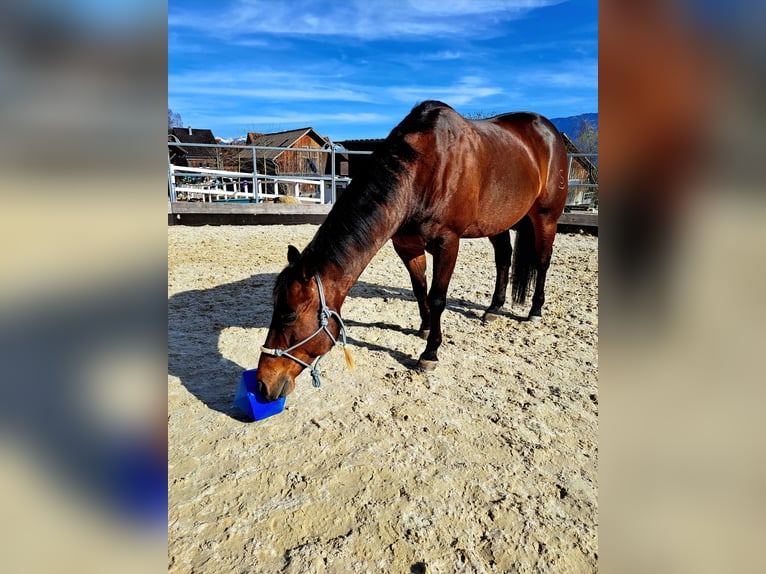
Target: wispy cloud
{"type": "Point", "coordinates": [305, 118]}
{"type": "Point", "coordinates": [265, 85]}
{"type": "Point", "coordinates": [567, 74]}
{"type": "Point", "coordinates": [275, 94]}
{"type": "Point", "coordinates": [465, 91]}
{"type": "Point", "coordinates": [441, 56]}
{"type": "Point", "coordinates": [361, 19]}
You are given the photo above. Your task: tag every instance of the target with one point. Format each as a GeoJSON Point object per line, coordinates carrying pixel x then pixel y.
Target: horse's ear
{"type": "Point", "coordinates": [308, 270]}
{"type": "Point", "coordinates": [293, 255]}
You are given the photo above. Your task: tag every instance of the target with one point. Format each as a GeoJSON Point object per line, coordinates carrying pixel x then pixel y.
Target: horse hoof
{"type": "Point", "coordinates": [490, 316]}
{"type": "Point", "coordinates": [426, 365]}
{"type": "Point", "coordinates": [423, 333]}
{"type": "Point", "coordinates": [535, 319]}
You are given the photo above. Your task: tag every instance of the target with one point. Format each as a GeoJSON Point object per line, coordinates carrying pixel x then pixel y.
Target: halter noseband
{"type": "Point", "coordinates": [324, 317]}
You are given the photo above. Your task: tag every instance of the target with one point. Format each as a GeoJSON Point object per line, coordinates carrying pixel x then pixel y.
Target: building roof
{"type": "Point", "coordinates": [361, 144]}
{"type": "Point", "coordinates": [192, 135]}
{"type": "Point", "coordinates": [281, 139]}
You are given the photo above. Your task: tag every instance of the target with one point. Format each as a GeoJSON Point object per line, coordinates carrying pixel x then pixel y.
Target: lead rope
{"type": "Point", "coordinates": [324, 318]}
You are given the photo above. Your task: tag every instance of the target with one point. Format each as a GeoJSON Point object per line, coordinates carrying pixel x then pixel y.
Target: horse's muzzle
{"type": "Point", "coordinates": [282, 389]}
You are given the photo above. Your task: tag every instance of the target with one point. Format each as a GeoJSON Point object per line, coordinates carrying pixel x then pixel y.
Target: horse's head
{"type": "Point", "coordinates": [301, 329]}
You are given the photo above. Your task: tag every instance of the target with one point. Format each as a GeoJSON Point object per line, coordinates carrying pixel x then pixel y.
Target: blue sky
{"type": "Point", "coordinates": [354, 68]}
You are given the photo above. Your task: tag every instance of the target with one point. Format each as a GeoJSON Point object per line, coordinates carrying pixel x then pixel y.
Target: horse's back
{"type": "Point", "coordinates": [483, 176]}
{"type": "Point", "coordinates": [437, 117]}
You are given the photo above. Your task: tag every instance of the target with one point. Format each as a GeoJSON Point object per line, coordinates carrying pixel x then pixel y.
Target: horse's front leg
{"type": "Point", "coordinates": [413, 254]}
{"type": "Point", "coordinates": [445, 255]}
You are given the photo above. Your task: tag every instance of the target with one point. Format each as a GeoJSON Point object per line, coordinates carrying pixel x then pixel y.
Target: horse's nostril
{"type": "Point", "coordinates": [262, 388]}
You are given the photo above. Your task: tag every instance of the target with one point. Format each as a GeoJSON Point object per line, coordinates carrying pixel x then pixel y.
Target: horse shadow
{"type": "Point", "coordinates": [469, 309]}
{"type": "Point", "coordinates": [197, 318]}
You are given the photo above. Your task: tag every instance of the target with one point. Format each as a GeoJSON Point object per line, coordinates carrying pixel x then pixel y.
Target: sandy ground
{"type": "Point", "coordinates": [487, 464]}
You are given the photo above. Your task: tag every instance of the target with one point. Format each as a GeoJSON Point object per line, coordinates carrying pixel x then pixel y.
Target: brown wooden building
{"type": "Point", "coordinates": [286, 161]}
{"type": "Point", "coordinates": [193, 156]}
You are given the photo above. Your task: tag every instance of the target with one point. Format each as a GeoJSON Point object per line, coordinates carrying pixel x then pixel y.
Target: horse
{"type": "Point", "coordinates": [438, 177]}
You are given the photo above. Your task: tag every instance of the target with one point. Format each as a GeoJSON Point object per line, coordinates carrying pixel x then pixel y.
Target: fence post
{"type": "Point", "coordinates": [332, 173]}
{"type": "Point", "coordinates": [255, 178]}
{"type": "Point", "coordinates": [171, 182]}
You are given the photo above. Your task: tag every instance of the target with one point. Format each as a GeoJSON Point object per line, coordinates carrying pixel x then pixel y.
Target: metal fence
{"type": "Point", "coordinates": [198, 183]}
{"type": "Point", "coordinates": [211, 184]}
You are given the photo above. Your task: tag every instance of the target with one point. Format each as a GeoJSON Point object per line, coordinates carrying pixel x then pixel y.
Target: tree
{"type": "Point", "coordinates": [174, 119]}
{"type": "Point", "coordinates": [587, 142]}
{"type": "Point", "coordinates": [587, 138]}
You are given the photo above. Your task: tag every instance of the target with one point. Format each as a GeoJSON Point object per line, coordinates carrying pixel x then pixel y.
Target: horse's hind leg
{"type": "Point", "coordinates": [412, 253]}
{"type": "Point", "coordinates": [545, 232]}
{"type": "Point", "coordinates": [502, 244]}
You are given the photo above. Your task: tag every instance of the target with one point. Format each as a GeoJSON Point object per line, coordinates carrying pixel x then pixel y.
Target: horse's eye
{"type": "Point", "coordinates": [288, 318]}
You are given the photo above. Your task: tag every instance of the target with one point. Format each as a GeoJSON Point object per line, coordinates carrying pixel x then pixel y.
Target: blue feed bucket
{"type": "Point", "coordinates": [249, 401]}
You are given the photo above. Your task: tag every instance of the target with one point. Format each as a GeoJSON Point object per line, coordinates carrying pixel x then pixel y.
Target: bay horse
{"type": "Point", "coordinates": [437, 177]}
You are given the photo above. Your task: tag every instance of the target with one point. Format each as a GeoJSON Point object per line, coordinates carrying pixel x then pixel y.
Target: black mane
{"type": "Point", "coordinates": [353, 218]}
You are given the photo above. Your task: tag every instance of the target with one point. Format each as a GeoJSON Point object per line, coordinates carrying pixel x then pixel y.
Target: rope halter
{"type": "Point", "coordinates": [324, 318]}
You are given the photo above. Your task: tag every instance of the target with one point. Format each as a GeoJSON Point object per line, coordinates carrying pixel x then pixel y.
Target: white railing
{"type": "Point", "coordinates": [244, 185]}
{"type": "Point", "coordinates": [218, 184]}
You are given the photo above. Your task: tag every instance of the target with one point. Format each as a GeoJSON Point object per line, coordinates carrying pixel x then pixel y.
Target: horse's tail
{"type": "Point", "coordinates": [524, 263]}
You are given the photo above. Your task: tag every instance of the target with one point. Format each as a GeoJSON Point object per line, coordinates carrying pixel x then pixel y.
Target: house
{"type": "Point", "coordinates": [285, 161]}
{"type": "Point", "coordinates": [193, 156]}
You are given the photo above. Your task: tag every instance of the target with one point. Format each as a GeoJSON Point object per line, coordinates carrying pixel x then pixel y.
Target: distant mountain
{"type": "Point", "coordinates": [229, 141]}
{"type": "Point", "coordinates": [571, 125]}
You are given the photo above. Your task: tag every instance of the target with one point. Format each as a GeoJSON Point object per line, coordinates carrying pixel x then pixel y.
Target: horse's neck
{"type": "Point", "coordinates": [360, 253]}
{"type": "Point", "coordinates": [359, 262]}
